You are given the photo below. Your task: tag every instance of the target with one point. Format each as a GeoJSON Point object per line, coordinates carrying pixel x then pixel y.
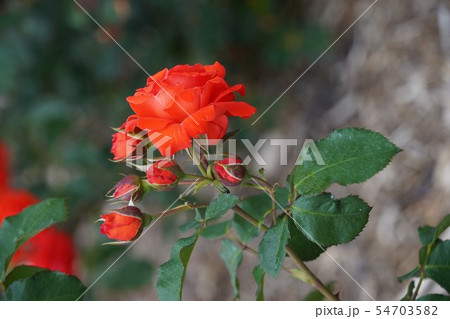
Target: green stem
{"type": "Point", "coordinates": [274, 207]}
{"type": "Point", "coordinates": [245, 247]}
{"type": "Point", "coordinates": [312, 279]}
{"type": "Point", "coordinates": [195, 177]}
{"type": "Point", "coordinates": [179, 209]}
{"type": "Point", "coordinates": [259, 180]}
{"type": "Point", "coordinates": [416, 292]}
{"type": "Point", "coordinates": [270, 189]}
{"type": "Point", "coordinates": [422, 273]}
{"type": "Point", "coordinates": [197, 162]}
{"type": "Point", "coordinates": [220, 187]}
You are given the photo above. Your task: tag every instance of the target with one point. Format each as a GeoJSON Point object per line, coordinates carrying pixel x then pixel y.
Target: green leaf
{"type": "Point", "coordinates": [199, 215]}
{"type": "Point", "coordinates": [258, 275]}
{"type": "Point", "coordinates": [232, 257]}
{"type": "Point", "coordinates": [424, 253]}
{"type": "Point", "coordinates": [409, 292]}
{"type": "Point", "coordinates": [434, 297]}
{"type": "Point", "coordinates": [413, 273]}
{"type": "Point", "coordinates": [272, 249]}
{"type": "Point", "coordinates": [130, 274]}
{"type": "Point", "coordinates": [429, 235]}
{"type": "Point", "coordinates": [244, 229]}
{"type": "Point", "coordinates": [17, 229]}
{"type": "Point", "coordinates": [45, 286]}
{"type": "Point", "coordinates": [301, 245]}
{"type": "Point", "coordinates": [426, 234]}
{"type": "Point", "coordinates": [442, 226]}
{"type": "Point", "coordinates": [281, 196]}
{"type": "Point", "coordinates": [169, 285]}
{"type": "Point", "coordinates": [190, 224]}
{"type": "Point", "coordinates": [257, 206]}
{"type": "Point", "coordinates": [438, 265]}
{"type": "Point", "coordinates": [222, 204]}
{"type": "Point", "coordinates": [20, 272]}
{"type": "Point", "coordinates": [351, 155]}
{"type": "Point", "coordinates": [216, 230]}
{"type": "Point", "coordinates": [330, 221]}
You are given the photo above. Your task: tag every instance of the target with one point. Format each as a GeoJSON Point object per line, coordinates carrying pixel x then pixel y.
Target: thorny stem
{"type": "Point", "coordinates": [202, 158]}
{"type": "Point", "coordinates": [422, 274]}
{"type": "Point", "coordinates": [196, 160]}
{"type": "Point", "coordinates": [271, 191]}
{"type": "Point", "coordinates": [245, 247]}
{"type": "Point", "coordinates": [262, 181]}
{"type": "Point", "coordinates": [274, 207]}
{"type": "Point", "coordinates": [179, 209]}
{"type": "Point", "coordinates": [194, 177]}
{"type": "Point", "coordinates": [293, 191]}
{"type": "Point", "coordinates": [313, 280]}
{"type": "Point", "coordinates": [416, 292]}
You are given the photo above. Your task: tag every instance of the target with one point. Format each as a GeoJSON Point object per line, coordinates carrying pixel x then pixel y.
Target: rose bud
{"type": "Point", "coordinates": [127, 188]}
{"type": "Point", "coordinates": [126, 140]}
{"type": "Point", "coordinates": [230, 171]}
{"type": "Point", "coordinates": [123, 224]}
{"type": "Point", "coordinates": [164, 175]}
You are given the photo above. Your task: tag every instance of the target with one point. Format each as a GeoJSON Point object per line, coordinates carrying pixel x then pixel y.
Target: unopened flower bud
{"type": "Point", "coordinates": [123, 224]}
{"type": "Point", "coordinates": [230, 171]}
{"type": "Point", "coordinates": [164, 175]}
{"type": "Point", "coordinates": [127, 188]}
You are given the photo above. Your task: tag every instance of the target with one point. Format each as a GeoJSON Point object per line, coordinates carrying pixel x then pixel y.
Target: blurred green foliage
{"type": "Point", "coordinates": [63, 82]}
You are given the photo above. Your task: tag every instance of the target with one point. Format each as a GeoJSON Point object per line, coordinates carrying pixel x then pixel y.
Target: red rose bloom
{"type": "Point", "coordinates": [164, 174]}
{"type": "Point", "coordinates": [123, 224]}
{"type": "Point", "coordinates": [123, 142]}
{"type": "Point", "coordinates": [230, 171]}
{"type": "Point", "coordinates": [186, 101]}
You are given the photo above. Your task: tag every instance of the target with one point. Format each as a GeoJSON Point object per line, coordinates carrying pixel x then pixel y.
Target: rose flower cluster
{"type": "Point", "coordinates": [52, 248]}
{"type": "Point", "coordinates": [176, 106]}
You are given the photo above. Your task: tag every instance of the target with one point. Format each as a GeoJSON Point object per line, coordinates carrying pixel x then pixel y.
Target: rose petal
{"type": "Point", "coordinates": [241, 109]}
{"type": "Point", "coordinates": [153, 123]}
{"type": "Point", "coordinates": [228, 95]}
{"type": "Point", "coordinates": [216, 67]}
{"type": "Point", "coordinates": [197, 123]}
{"type": "Point", "coordinates": [217, 128]}
{"type": "Point", "coordinates": [170, 139]}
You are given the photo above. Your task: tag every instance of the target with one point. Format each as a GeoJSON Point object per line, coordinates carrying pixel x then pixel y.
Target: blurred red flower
{"type": "Point", "coordinates": [13, 201]}
{"type": "Point", "coordinates": [52, 248]}
{"type": "Point", "coordinates": [4, 165]}
{"type": "Point", "coordinates": [186, 101]}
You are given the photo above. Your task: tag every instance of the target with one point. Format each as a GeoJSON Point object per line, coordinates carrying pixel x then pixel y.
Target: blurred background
{"type": "Point", "coordinates": [63, 84]}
